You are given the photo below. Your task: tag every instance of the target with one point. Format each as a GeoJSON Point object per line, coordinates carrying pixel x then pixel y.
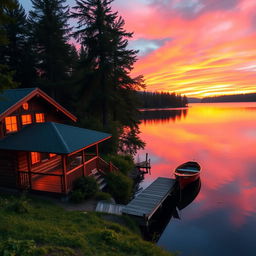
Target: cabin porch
{"type": "Point", "coordinates": [58, 173]}
{"type": "Point", "coordinates": [50, 157]}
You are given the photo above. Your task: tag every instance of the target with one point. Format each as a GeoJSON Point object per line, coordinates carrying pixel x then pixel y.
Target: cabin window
{"type": "Point", "coordinates": [26, 119]}
{"type": "Point", "coordinates": [52, 155]}
{"type": "Point", "coordinates": [11, 124]}
{"type": "Point", "coordinates": [40, 118]}
{"type": "Point", "coordinates": [25, 106]}
{"type": "Point", "coordinates": [35, 157]}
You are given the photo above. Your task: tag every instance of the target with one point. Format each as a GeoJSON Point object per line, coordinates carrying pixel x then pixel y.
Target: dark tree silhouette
{"type": "Point", "coordinates": [161, 100]}
{"type": "Point", "coordinates": [104, 79]}
{"type": "Point", "coordinates": [48, 25]}
{"type": "Point", "coordinates": [17, 53]}
{"type": "Point", "coordinates": [6, 76]}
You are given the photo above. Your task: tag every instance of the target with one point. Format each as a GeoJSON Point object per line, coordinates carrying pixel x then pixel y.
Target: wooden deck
{"type": "Point", "coordinates": [150, 199]}
{"type": "Point", "coordinates": [144, 166]}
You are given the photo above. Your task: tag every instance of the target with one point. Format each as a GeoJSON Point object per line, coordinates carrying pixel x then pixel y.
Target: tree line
{"type": "Point", "coordinates": [250, 97]}
{"type": "Point", "coordinates": [161, 100]}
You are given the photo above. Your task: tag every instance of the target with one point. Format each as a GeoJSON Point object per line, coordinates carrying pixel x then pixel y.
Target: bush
{"type": "Point", "coordinates": [77, 196]}
{"type": "Point", "coordinates": [103, 196]}
{"type": "Point", "coordinates": [84, 188]}
{"type": "Point", "coordinates": [13, 247]}
{"type": "Point", "coordinates": [124, 162]}
{"type": "Point", "coordinates": [120, 187]}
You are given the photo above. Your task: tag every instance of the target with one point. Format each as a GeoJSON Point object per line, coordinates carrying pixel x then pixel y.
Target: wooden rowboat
{"type": "Point", "coordinates": [187, 173]}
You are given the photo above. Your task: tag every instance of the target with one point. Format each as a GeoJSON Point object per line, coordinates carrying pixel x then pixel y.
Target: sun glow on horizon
{"type": "Point", "coordinates": [205, 50]}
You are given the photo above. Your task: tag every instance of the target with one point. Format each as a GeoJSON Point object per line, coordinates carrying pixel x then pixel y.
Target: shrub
{"type": "Point", "coordinates": [84, 188]}
{"type": "Point", "coordinates": [120, 187]}
{"type": "Point", "coordinates": [103, 196]}
{"type": "Point", "coordinates": [77, 196]}
{"type": "Point", "coordinates": [123, 162]}
{"type": "Point", "coordinates": [13, 247]}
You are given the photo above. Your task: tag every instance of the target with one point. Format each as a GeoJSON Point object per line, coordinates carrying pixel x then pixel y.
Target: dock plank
{"type": "Point", "coordinates": [150, 199]}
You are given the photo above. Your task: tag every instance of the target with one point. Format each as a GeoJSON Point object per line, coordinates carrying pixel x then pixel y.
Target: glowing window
{"type": "Point", "coordinates": [25, 106]}
{"type": "Point", "coordinates": [11, 124]}
{"type": "Point", "coordinates": [40, 118]}
{"type": "Point", "coordinates": [52, 155]}
{"type": "Point", "coordinates": [35, 157]}
{"type": "Point", "coordinates": [26, 119]}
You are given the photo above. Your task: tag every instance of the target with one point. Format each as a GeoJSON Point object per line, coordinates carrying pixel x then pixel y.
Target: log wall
{"type": "Point", "coordinates": [8, 174]}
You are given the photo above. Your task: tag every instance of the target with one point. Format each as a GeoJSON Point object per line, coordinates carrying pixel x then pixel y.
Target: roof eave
{"type": "Point", "coordinates": [71, 153]}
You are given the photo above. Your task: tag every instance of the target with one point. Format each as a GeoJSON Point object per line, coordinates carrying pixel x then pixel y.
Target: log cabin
{"type": "Point", "coordinates": [39, 149]}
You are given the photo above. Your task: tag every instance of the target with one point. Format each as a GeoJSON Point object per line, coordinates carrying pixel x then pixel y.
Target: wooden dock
{"type": "Point", "coordinates": [149, 200]}
{"type": "Point", "coordinates": [144, 166]}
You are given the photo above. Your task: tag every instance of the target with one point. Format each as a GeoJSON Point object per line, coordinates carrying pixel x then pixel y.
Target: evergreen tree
{"type": "Point", "coordinates": [104, 79]}
{"type": "Point", "coordinates": [48, 24]}
{"type": "Point", "coordinates": [105, 61]}
{"type": "Point", "coordinates": [6, 76]}
{"type": "Point", "coordinates": [17, 53]}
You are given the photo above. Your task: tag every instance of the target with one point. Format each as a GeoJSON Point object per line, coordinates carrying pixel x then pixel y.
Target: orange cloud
{"type": "Point", "coordinates": [211, 52]}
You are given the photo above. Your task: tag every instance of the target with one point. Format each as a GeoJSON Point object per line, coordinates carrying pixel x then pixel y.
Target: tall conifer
{"type": "Point", "coordinates": [17, 53]}
{"type": "Point", "coordinates": [49, 28]}
{"type": "Point", "coordinates": [105, 81]}
{"type": "Point", "coordinates": [6, 76]}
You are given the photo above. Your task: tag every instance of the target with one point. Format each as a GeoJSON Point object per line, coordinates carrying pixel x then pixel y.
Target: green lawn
{"type": "Point", "coordinates": [56, 232]}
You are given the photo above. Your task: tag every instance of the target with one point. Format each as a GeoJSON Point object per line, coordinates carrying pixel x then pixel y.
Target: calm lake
{"type": "Point", "coordinates": [222, 138]}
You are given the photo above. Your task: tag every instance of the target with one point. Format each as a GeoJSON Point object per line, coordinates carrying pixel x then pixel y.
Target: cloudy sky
{"type": "Point", "coordinates": [194, 47]}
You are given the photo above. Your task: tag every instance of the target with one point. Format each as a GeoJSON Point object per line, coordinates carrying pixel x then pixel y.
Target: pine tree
{"type": "Point", "coordinates": [17, 53]}
{"type": "Point", "coordinates": [50, 33]}
{"type": "Point", "coordinates": [6, 76]}
{"type": "Point", "coordinates": [106, 60]}
{"type": "Point", "coordinates": [105, 82]}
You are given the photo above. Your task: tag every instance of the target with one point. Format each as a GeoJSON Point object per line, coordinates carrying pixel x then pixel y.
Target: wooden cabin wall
{"type": "Point", "coordinates": [8, 173]}
{"type": "Point", "coordinates": [22, 161]}
{"type": "Point", "coordinates": [53, 164]}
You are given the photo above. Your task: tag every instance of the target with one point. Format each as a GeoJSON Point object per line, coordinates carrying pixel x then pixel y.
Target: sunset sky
{"type": "Point", "coordinates": [193, 47]}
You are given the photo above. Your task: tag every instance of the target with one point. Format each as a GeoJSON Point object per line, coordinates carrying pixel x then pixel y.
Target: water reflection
{"type": "Point", "coordinates": [222, 138]}
{"type": "Point", "coordinates": [171, 208]}
{"type": "Point", "coordinates": [163, 115]}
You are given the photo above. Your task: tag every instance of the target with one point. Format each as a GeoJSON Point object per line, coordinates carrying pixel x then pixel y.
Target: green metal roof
{"type": "Point", "coordinates": [52, 138]}
{"type": "Point", "coordinates": [10, 97]}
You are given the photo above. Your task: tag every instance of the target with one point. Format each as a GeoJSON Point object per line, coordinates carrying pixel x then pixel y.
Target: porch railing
{"type": "Point", "coordinates": [87, 168]}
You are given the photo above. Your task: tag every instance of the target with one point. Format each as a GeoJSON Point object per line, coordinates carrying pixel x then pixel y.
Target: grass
{"type": "Point", "coordinates": [52, 231]}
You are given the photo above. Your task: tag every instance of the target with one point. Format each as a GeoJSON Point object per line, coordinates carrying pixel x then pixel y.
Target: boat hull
{"type": "Point", "coordinates": [187, 173]}
{"type": "Point", "coordinates": [185, 180]}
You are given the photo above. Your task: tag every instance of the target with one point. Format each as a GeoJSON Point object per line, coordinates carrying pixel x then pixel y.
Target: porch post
{"type": "Point", "coordinates": [64, 169]}
{"type": "Point", "coordinates": [97, 149]}
{"type": "Point", "coordinates": [97, 153]}
{"type": "Point", "coordinates": [29, 170]}
{"type": "Point", "coordinates": [83, 159]}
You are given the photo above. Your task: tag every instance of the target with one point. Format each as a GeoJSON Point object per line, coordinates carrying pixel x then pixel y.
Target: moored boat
{"type": "Point", "coordinates": [187, 173]}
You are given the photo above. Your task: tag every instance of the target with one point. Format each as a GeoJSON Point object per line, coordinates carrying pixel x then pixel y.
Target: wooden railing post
{"type": "Point", "coordinates": [64, 172]}
{"type": "Point", "coordinates": [84, 165]}
{"type": "Point", "coordinates": [29, 169]}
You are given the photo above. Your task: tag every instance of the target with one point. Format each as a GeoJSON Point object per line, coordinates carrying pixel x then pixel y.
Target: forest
{"type": "Point", "coordinates": [251, 97]}
{"type": "Point", "coordinates": [161, 100]}
{"type": "Point", "coordinates": [86, 67]}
